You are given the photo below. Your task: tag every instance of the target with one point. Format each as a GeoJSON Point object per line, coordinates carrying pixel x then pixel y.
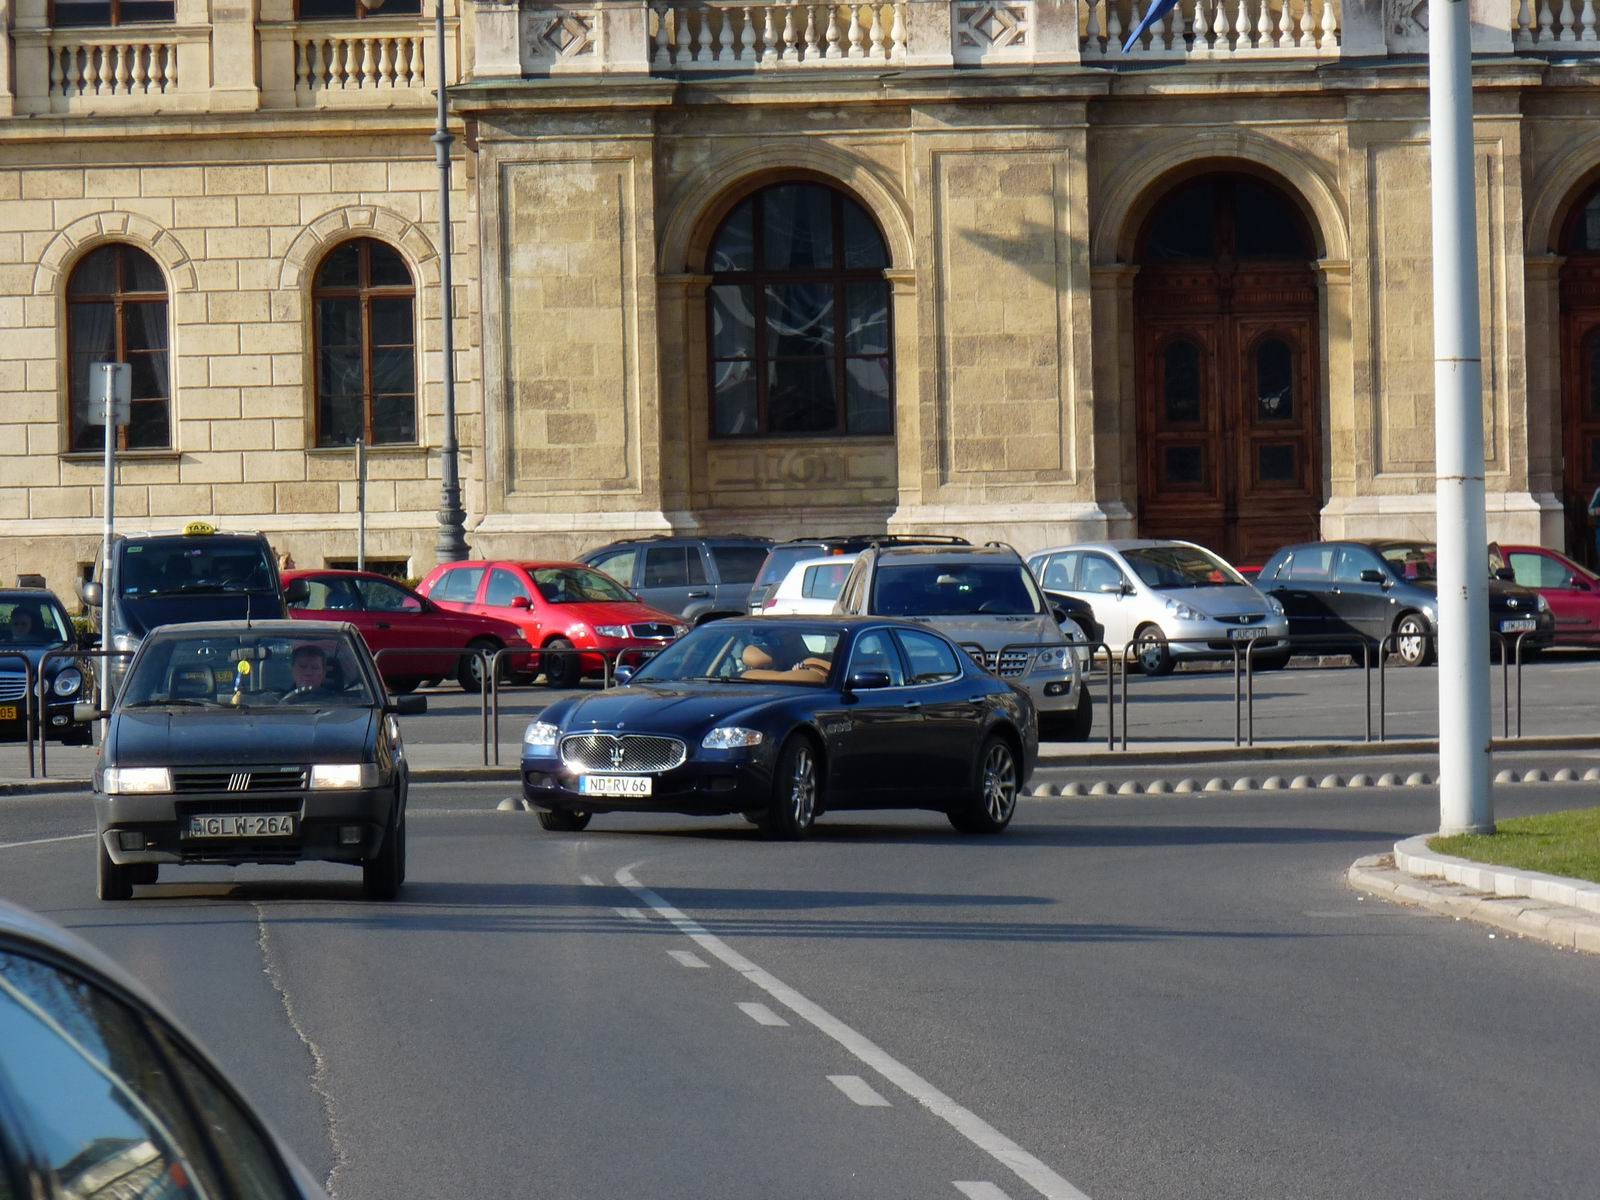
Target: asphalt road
{"type": "Point", "coordinates": [1153, 997]}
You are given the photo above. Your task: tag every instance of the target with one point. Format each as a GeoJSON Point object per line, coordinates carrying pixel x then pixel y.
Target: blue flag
{"type": "Point", "coordinates": [1157, 10]}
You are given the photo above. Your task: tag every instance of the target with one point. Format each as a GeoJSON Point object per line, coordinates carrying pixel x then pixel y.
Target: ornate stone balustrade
{"type": "Point", "coordinates": [1563, 26]}
{"type": "Point", "coordinates": [719, 36]}
{"type": "Point", "coordinates": [379, 62]}
{"type": "Point", "coordinates": [1213, 29]}
{"type": "Point", "coordinates": [133, 68]}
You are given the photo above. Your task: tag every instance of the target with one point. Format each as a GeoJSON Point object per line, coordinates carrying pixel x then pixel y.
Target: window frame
{"type": "Point", "coordinates": [118, 298]}
{"type": "Point", "coordinates": [362, 13]}
{"type": "Point", "coordinates": [114, 15]}
{"type": "Point", "coordinates": [363, 293]}
{"type": "Point", "coordinates": [838, 277]}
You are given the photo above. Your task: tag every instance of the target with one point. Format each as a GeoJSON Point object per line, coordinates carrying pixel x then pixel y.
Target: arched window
{"type": "Point", "coordinates": [366, 346]}
{"type": "Point", "coordinates": [798, 318]}
{"type": "Point", "coordinates": [117, 312]}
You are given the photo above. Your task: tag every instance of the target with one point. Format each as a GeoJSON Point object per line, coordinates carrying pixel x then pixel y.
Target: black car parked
{"type": "Point", "coordinates": [253, 742]}
{"type": "Point", "coordinates": [33, 623]}
{"type": "Point", "coordinates": [697, 578]}
{"type": "Point", "coordinates": [1366, 591]}
{"type": "Point", "coordinates": [783, 718]}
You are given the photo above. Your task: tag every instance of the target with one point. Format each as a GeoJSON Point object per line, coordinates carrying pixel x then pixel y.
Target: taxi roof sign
{"type": "Point", "coordinates": [199, 529]}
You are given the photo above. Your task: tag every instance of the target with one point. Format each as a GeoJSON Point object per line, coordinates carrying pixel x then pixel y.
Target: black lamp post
{"type": "Point", "coordinates": [452, 543]}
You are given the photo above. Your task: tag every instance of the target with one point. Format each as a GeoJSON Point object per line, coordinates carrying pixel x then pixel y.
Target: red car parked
{"type": "Point", "coordinates": [391, 616]}
{"type": "Point", "coordinates": [1573, 592]}
{"type": "Point", "coordinates": [559, 606]}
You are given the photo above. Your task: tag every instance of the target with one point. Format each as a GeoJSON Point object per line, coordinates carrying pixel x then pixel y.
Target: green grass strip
{"type": "Point", "coordinates": [1563, 843]}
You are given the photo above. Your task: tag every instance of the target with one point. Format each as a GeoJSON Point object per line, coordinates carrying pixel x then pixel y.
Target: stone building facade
{"type": "Point", "coordinates": [960, 266]}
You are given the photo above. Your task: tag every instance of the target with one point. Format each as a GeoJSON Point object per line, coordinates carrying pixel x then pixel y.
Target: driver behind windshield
{"type": "Point", "coordinates": [308, 668]}
{"type": "Point", "coordinates": [24, 627]}
{"type": "Point", "coordinates": [785, 658]}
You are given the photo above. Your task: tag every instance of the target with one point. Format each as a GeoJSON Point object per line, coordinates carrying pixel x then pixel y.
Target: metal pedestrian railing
{"type": "Point", "coordinates": [84, 693]}
{"type": "Point", "coordinates": [455, 654]}
{"type": "Point", "coordinates": [26, 698]}
{"type": "Point", "coordinates": [1027, 649]}
{"type": "Point", "coordinates": [610, 660]}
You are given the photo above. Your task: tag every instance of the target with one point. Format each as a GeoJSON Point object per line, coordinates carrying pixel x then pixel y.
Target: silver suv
{"type": "Point", "coordinates": [985, 599]}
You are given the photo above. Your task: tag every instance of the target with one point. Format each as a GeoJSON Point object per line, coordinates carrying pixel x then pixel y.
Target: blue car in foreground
{"type": "Point", "coordinates": [784, 718]}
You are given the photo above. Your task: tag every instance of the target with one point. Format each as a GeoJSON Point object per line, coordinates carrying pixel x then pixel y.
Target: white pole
{"type": "Point", "coordinates": [108, 562]}
{"type": "Point", "coordinates": [1466, 803]}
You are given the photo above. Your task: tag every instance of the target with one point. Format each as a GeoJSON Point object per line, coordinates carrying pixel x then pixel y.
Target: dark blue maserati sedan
{"type": "Point", "coordinates": [783, 718]}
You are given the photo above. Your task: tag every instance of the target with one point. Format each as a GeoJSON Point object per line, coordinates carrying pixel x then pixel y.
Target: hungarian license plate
{"type": "Point", "coordinates": [243, 825]}
{"type": "Point", "coordinates": [614, 785]}
{"type": "Point", "coordinates": [9, 712]}
{"type": "Point", "coordinates": [1247, 634]}
{"type": "Point", "coordinates": [1520, 625]}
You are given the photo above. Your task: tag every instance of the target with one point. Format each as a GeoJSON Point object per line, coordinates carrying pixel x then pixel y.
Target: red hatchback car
{"type": "Point", "coordinates": [392, 617]}
{"type": "Point", "coordinates": [1573, 592]}
{"type": "Point", "coordinates": [558, 606]}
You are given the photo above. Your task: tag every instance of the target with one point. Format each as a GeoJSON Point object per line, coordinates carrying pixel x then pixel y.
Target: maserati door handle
{"type": "Point", "coordinates": [698, 595]}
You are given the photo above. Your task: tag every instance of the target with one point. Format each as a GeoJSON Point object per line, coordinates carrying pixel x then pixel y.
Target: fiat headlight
{"type": "Point", "coordinates": [612, 631]}
{"type": "Point", "coordinates": [344, 775]}
{"type": "Point", "coordinates": [67, 682]}
{"type": "Point", "coordinates": [542, 735]}
{"type": "Point", "coordinates": [731, 737]}
{"type": "Point", "coordinates": [136, 781]}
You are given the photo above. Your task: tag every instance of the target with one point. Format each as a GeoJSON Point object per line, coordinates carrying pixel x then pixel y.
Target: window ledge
{"type": "Point", "coordinates": [99, 456]}
{"type": "Point", "coordinates": [387, 448]}
{"type": "Point", "coordinates": [801, 439]}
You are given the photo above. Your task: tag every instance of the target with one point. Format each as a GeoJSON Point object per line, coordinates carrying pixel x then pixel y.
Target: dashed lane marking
{"type": "Point", "coordinates": [859, 1090]}
{"type": "Point", "coordinates": [1032, 1171]}
{"type": "Point", "coordinates": [70, 837]}
{"type": "Point", "coordinates": [761, 1014]}
{"type": "Point", "coordinates": [687, 959]}
{"type": "Point", "coordinates": [980, 1191]}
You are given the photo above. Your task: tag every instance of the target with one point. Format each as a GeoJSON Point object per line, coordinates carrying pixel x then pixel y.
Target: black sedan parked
{"type": "Point", "coordinates": [783, 718]}
{"type": "Point", "coordinates": [1368, 591]}
{"type": "Point", "coordinates": [253, 742]}
{"type": "Point", "coordinates": [33, 625]}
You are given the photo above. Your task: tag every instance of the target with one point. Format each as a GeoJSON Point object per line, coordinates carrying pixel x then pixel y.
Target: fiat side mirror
{"type": "Point", "coordinates": [410, 705]}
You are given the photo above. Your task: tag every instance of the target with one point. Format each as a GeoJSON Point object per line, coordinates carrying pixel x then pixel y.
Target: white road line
{"type": "Point", "coordinates": [591, 880]}
{"type": "Point", "coordinates": [980, 1191]}
{"type": "Point", "coordinates": [632, 914]}
{"type": "Point", "coordinates": [689, 960]}
{"type": "Point", "coordinates": [761, 1014]}
{"type": "Point", "coordinates": [974, 1128]}
{"type": "Point", "coordinates": [859, 1090]}
{"type": "Point", "coordinates": [71, 837]}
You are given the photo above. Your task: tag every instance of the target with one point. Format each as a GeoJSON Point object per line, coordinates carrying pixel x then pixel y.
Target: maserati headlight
{"type": "Point", "coordinates": [344, 775]}
{"type": "Point", "coordinates": [730, 737]}
{"type": "Point", "coordinates": [612, 631]}
{"type": "Point", "coordinates": [542, 734]}
{"type": "Point", "coordinates": [67, 682]}
{"type": "Point", "coordinates": [136, 781]}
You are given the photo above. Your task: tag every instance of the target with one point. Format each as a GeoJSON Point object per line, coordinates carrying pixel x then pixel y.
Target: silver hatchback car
{"type": "Point", "coordinates": [1171, 600]}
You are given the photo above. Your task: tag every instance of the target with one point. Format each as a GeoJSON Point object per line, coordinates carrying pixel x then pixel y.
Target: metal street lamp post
{"type": "Point", "coordinates": [452, 543]}
{"type": "Point", "coordinates": [1466, 801]}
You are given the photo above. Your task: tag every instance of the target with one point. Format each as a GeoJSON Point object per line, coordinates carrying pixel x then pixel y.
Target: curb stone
{"type": "Point", "coordinates": [1273, 783]}
{"type": "Point", "coordinates": [1559, 925]}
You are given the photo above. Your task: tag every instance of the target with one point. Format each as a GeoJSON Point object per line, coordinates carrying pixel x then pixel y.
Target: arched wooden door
{"type": "Point", "coordinates": [1580, 375]}
{"type": "Point", "coordinates": [1226, 336]}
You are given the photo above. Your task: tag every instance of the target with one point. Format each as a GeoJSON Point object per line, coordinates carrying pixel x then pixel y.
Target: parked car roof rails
{"type": "Point", "coordinates": [1002, 546]}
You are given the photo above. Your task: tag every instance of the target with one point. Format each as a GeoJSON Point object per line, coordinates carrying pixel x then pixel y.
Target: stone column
{"type": "Point", "coordinates": [1116, 418]}
{"type": "Point", "coordinates": [496, 40]}
{"type": "Point", "coordinates": [1545, 410]}
{"type": "Point", "coordinates": [1342, 441]}
{"type": "Point", "coordinates": [681, 321]}
{"type": "Point", "coordinates": [233, 55]}
{"type": "Point", "coordinates": [910, 453]}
